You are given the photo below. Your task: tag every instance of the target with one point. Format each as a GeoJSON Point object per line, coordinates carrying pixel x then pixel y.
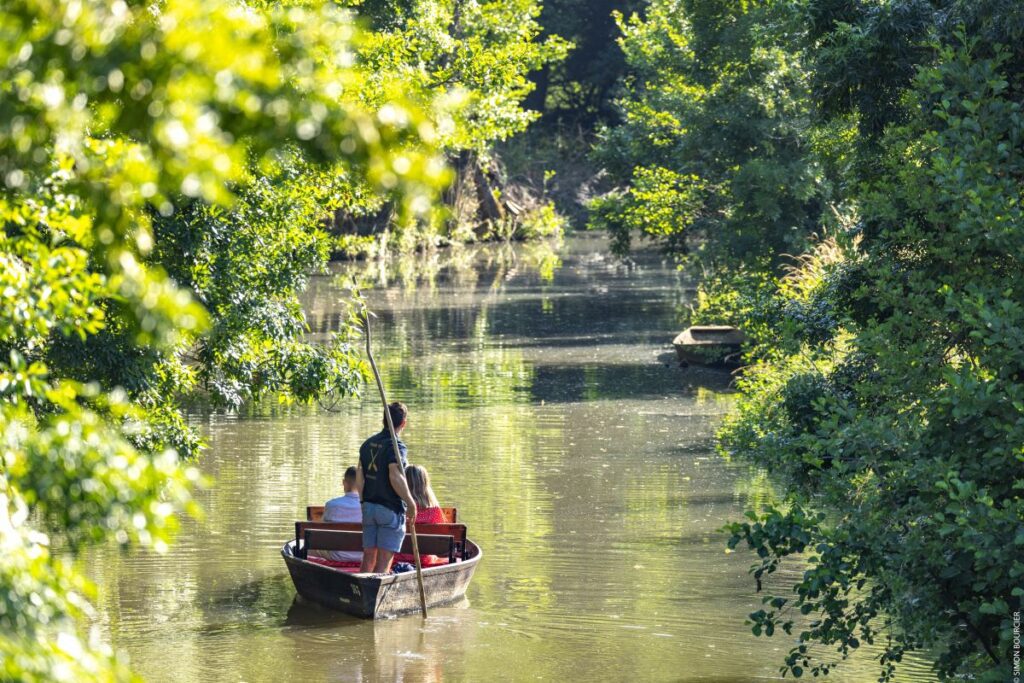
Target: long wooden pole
{"type": "Point", "coordinates": [398, 458]}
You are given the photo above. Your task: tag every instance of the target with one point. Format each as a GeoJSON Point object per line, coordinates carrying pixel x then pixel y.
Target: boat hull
{"type": "Point", "coordinates": [372, 596]}
{"type": "Point", "coordinates": [725, 355]}
{"type": "Point", "coordinates": [709, 345]}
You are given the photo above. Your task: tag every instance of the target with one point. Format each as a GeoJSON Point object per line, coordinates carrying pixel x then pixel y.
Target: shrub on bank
{"type": "Point", "coordinates": [884, 384]}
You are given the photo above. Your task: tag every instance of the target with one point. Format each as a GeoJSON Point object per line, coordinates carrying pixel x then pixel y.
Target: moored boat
{"type": "Point", "coordinates": [709, 345]}
{"type": "Point", "coordinates": [373, 596]}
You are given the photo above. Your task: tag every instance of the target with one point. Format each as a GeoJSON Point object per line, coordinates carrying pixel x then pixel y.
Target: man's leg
{"type": "Point", "coordinates": [369, 560]}
{"type": "Point", "coordinates": [370, 544]}
{"type": "Point", "coordinates": [384, 558]}
{"type": "Point", "coordinates": [389, 539]}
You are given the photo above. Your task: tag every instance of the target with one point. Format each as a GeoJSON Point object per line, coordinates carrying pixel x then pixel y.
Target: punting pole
{"type": "Point", "coordinates": [394, 445]}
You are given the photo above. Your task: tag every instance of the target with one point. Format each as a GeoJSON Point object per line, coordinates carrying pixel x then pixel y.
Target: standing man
{"type": "Point", "coordinates": [380, 482]}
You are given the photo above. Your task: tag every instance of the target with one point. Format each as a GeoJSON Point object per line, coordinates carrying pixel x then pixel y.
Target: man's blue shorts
{"type": "Point", "coordinates": [382, 527]}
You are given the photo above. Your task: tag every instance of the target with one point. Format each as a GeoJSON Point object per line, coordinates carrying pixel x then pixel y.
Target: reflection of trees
{"type": "Point", "coordinates": [461, 265]}
{"type": "Point", "coordinates": [596, 499]}
{"type": "Point", "coordinates": [413, 313]}
{"type": "Point", "coordinates": [756, 489]}
{"type": "Point", "coordinates": [493, 377]}
{"type": "Point", "coordinates": [488, 462]}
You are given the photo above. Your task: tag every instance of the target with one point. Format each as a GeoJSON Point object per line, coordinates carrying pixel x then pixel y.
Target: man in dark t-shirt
{"type": "Point", "coordinates": [385, 497]}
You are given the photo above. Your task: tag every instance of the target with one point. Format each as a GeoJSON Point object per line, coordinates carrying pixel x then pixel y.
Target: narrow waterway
{"type": "Point", "coordinates": [545, 405]}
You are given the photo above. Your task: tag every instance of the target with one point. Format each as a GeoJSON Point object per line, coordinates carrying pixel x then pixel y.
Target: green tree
{"type": "Point", "coordinates": [714, 146]}
{"type": "Point", "coordinates": [471, 60]}
{"type": "Point", "coordinates": [891, 399]}
{"type": "Point", "coordinates": [885, 381]}
{"type": "Point", "coordinates": [113, 114]}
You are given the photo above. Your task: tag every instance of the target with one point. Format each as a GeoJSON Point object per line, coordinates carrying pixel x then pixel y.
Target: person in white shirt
{"type": "Point", "coordinates": [344, 509]}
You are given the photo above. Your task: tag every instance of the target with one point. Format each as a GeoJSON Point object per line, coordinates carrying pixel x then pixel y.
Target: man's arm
{"type": "Point", "coordinates": [398, 483]}
{"type": "Point", "coordinates": [359, 481]}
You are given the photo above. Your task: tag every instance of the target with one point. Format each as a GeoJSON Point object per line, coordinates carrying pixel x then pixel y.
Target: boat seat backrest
{"type": "Point", "coordinates": [457, 531]}
{"type": "Point", "coordinates": [330, 539]}
{"type": "Point", "coordinates": [315, 513]}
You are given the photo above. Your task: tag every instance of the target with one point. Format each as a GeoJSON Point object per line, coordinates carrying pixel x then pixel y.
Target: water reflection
{"type": "Point", "coordinates": [579, 455]}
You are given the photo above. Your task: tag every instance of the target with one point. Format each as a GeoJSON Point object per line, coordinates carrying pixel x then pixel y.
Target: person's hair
{"type": "Point", "coordinates": [419, 487]}
{"type": "Point", "coordinates": [398, 414]}
{"type": "Point", "coordinates": [350, 474]}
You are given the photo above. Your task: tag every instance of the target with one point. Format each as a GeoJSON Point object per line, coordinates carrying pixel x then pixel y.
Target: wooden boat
{"type": "Point", "coordinates": [709, 345]}
{"type": "Point", "coordinates": [374, 596]}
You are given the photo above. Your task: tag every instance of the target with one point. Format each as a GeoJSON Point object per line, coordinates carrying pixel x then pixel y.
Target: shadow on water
{"type": "Point", "coordinates": [303, 614]}
{"type": "Point", "coordinates": [569, 318]}
{"type": "Point", "coordinates": [243, 607]}
{"type": "Point", "coordinates": [578, 383]}
{"type": "Point", "coordinates": [262, 593]}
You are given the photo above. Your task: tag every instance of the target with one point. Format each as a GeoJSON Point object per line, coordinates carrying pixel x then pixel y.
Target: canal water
{"type": "Point", "coordinates": [545, 404]}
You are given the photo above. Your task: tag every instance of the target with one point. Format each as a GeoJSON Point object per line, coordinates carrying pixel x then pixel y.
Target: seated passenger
{"type": "Point", "coordinates": [428, 509]}
{"type": "Point", "coordinates": [344, 509]}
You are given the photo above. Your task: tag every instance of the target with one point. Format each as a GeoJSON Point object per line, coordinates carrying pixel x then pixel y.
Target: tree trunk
{"type": "Point", "coordinates": [538, 97]}
{"type": "Point", "coordinates": [490, 207]}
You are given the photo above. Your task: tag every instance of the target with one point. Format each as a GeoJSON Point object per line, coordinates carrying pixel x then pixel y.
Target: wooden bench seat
{"type": "Point", "coordinates": [456, 531]}
{"type": "Point", "coordinates": [333, 539]}
{"type": "Point", "coordinates": [315, 513]}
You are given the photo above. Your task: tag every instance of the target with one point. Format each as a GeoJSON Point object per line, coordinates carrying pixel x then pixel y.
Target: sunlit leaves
{"type": "Point", "coordinates": [39, 597]}
{"type": "Point", "coordinates": [473, 56]}
{"type": "Point", "coordinates": [656, 203]}
{"type": "Point", "coordinates": [87, 479]}
{"type": "Point", "coordinates": [112, 113]}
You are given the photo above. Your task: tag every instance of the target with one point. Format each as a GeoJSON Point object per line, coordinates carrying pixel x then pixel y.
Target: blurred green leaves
{"type": "Point", "coordinates": [164, 173]}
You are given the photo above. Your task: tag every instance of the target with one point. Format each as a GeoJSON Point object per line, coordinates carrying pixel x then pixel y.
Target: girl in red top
{"type": "Point", "coordinates": [428, 509]}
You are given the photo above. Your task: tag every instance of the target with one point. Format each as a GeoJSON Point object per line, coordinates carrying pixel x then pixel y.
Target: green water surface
{"type": "Point", "coordinates": [545, 404]}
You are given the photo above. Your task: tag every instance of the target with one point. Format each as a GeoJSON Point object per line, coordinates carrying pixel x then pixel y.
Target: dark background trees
{"type": "Point", "coordinates": [581, 88]}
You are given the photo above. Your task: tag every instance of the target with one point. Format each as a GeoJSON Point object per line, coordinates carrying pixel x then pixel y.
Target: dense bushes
{"type": "Point", "coordinates": [885, 381]}
{"type": "Point", "coordinates": [713, 147]}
